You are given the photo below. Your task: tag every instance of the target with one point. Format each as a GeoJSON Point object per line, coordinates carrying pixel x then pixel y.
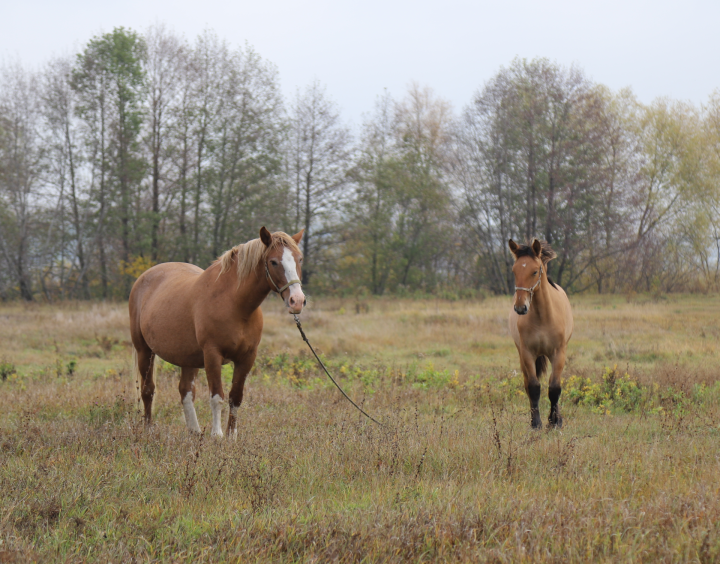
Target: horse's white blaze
{"type": "Point", "coordinates": [291, 273]}
{"type": "Point", "coordinates": [190, 415]}
{"type": "Point", "coordinates": [216, 407]}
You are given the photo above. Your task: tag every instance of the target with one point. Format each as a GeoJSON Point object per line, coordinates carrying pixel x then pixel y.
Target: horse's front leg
{"type": "Point", "coordinates": [555, 388]}
{"type": "Point", "coordinates": [187, 397]}
{"type": "Point", "coordinates": [213, 370]}
{"type": "Point", "coordinates": [240, 372]}
{"type": "Point", "coordinates": [532, 388]}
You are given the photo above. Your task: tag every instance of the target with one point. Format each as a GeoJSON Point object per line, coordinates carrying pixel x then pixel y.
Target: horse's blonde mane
{"type": "Point", "coordinates": [250, 254]}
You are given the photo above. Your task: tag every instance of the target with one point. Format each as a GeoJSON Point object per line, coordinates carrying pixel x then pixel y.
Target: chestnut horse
{"type": "Point", "coordinates": [195, 318]}
{"type": "Point", "coordinates": [541, 324]}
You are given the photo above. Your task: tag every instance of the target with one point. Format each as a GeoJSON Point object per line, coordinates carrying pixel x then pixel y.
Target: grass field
{"type": "Point", "coordinates": [455, 473]}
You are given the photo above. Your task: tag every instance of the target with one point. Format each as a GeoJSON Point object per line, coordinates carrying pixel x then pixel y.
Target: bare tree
{"type": "Point", "coordinates": [21, 157]}
{"type": "Point", "coordinates": [65, 161]}
{"type": "Point", "coordinates": [166, 55]}
{"type": "Point", "coordinates": [318, 153]}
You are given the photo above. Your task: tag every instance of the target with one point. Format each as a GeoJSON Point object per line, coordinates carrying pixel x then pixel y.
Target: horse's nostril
{"type": "Point", "coordinates": [304, 302]}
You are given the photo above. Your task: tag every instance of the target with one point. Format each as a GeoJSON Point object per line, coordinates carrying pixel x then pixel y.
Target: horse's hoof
{"type": "Point", "coordinates": [555, 422]}
{"type": "Point", "coordinates": [536, 424]}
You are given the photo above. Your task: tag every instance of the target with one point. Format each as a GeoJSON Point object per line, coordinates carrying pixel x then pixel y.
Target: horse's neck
{"type": "Point", "coordinates": [251, 293]}
{"type": "Point", "coordinates": [541, 305]}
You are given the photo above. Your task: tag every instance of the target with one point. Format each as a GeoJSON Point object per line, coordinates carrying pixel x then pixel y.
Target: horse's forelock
{"type": "Point", "coordinates": [280, 240]}
{"type": "Point", "coordinates": [249, 255]}
{"type": "Point", "coordinates": [546, 254]}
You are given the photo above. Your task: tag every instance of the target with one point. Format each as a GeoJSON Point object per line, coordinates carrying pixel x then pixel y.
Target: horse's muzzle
{"type": "Point", "coordinates": [521, 310]}
{"type": "Point", "coordinates": [295, 303]}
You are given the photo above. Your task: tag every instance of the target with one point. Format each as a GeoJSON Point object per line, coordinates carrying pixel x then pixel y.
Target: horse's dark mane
{"type": "Point", "coordinates": [546, 255]}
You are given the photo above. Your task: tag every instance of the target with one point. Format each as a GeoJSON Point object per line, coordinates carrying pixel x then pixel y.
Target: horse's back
{"type": "Point", "coordinates": [162, 280]}
{"type": "Point", "coordinates": [563, 303]}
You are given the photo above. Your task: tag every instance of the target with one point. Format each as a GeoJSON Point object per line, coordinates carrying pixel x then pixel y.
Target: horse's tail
{"type": "Point", "coordinates": [136, 371]}
{"type": "Point", "coordinates": [541, 363]}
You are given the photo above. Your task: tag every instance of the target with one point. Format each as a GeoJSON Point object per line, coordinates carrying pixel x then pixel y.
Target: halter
{"type": "Point", "coordinates": [531, 291]}
{"type": "Point", "coordinates": [285, 287]}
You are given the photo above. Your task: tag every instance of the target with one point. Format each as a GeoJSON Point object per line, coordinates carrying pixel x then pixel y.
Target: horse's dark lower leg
{"type": "Point", "coordinates": [555, 389]}
{"type": "Point", "coordinates": [554, 419]}
{"type": "Point", "coordinates": [147, 381]}
{"type": "Point", "coordinates": [533, 392]}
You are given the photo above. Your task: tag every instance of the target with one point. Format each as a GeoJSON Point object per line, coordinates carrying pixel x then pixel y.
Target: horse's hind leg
{"type": "Point", "coordinates": [187, 397]}
{"type": "Point", "coordinates": [147, 380]}
{"type": "Point", "coordinates": [555, 388]}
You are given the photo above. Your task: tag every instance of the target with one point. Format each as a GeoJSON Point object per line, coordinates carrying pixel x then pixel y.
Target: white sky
{"type": "Point", "coordinates": [357, 49]}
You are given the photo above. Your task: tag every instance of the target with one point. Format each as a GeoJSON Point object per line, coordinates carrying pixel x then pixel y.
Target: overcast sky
{"type": "Point", "coordinates": [357, 49]}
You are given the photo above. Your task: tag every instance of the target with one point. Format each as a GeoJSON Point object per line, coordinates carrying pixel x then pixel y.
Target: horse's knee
{"type": "Point", "coordinates": [186, 387]}
{"type": "Point", "coordinates": [235, 396]}
{"type": "Point", "coordinates": [533, 392]}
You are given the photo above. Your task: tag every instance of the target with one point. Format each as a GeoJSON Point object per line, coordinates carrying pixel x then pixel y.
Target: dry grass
{"type": "Point", "coordinates": [454, 475]}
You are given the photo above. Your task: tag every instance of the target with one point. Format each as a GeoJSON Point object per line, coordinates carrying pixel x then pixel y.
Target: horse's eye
{"type": "Point", "coordinates": [534, 273]}
{"type": "Point", "coordinates": [300, 261]}
{"type": "Point", "coordinates": [274, 262]}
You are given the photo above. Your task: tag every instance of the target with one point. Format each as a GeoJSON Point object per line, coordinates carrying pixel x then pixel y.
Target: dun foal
{"type": "Point", "coordinates": [195, 318]}
{"type": "Point", "coordinates": [541, 324]}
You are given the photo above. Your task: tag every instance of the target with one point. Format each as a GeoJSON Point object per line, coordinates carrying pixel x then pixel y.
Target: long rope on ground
{"type": "Point", "coordinates": [302, 333]}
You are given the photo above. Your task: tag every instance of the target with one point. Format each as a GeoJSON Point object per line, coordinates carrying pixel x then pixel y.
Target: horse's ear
{"type": "Point", "coordinates": [265, 236]}
{"type": "Point", "coordinates": [513, 246]}
{"type": "Point", "coordinates": [537, 248]}
{"type": "Point", "coordinates": [298, 236]}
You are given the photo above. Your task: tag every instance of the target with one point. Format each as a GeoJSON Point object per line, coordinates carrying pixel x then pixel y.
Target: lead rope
{"type": "Point", "coordinates": [302, 333]}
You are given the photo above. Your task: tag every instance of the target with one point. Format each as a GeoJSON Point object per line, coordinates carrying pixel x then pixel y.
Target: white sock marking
{"type": "Point", "coordinates": [190, 415]}
{"type": "Point", "coordinates": [216, 407]}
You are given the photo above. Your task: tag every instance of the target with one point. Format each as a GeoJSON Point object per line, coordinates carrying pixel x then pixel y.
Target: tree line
{"type": "Point", "coordinates": [145, 148]}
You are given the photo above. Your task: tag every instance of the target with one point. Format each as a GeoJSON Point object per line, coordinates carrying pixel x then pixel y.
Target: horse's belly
{"type": "Point", "coordinates": [172, 338]}
{"type": "Point", "coordinates": [184, 360]}
{"type": "Point", "coordinates": [166, 318]}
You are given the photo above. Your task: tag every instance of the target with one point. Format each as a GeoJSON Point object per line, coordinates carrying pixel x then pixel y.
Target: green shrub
{"type": "Point", "coordinates": [7, 369]}
{"type": "Point", "coordinates": [614, 391]}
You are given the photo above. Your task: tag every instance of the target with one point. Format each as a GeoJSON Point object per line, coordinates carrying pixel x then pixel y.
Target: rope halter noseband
{"type": "Point", "coordinates": [275, 287]}
{"type": "Point", "coordinates": [531, 291]}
